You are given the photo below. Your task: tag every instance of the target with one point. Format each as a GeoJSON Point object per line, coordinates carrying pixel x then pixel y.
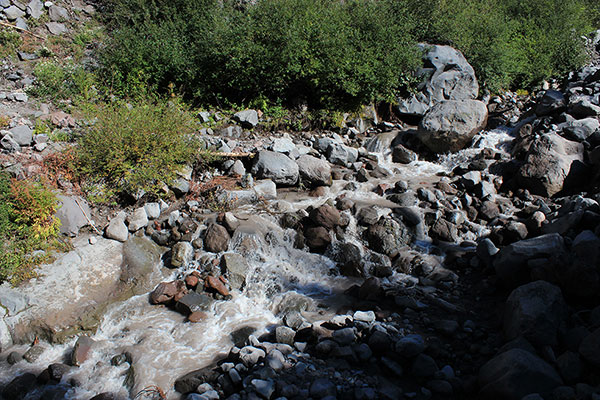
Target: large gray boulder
{"type": "Point", "coordinates": [71, 215]}
{"type": "Point", "coordinates": [450, 125]}
{"type": "Point", "coordinates": [536, 311]}
{"type": "Point", "coordinates": [548, 164]}
{"type": "Point", "coordinates": [511, 263]}
{"type": "Point", "coordinates": [446, 75]}
{"type": "Point", "coordinates": [515, 374]}
{"type": "Point", "coordinates": [314, 171]}
{"type": "Point", "coordinates": [276, 166]}
{"type": "Point", "coordinates": [22, 134]}
{"type": "Point", "coordinates": [247, 118]}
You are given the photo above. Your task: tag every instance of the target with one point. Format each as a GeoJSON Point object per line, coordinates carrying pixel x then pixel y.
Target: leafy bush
{"type": "Point", "coordinates": [135, 147]}
{"type": "Point", "coordinates": [60, 82]}
{"type": "Point", "coordinates": [9, 42]}
{"type": "Point", "coordinates": [324, 52]}
{"type": "Point", "coordinates": [27, 223]}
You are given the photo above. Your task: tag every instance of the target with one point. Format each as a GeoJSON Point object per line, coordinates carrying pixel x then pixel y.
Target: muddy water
{"type": "Point", "coordinates": [164, 347]}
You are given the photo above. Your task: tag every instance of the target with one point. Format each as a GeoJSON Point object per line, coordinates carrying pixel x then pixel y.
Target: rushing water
{"type": "Point", "coordinates": [164, 347]}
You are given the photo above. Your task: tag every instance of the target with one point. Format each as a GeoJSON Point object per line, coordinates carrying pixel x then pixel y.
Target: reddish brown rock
{"type": "Point", "coordinates": [197, 316]}
{"type": "Point", "coordinates": [382, 188]}
{"type": "Point", "coordinates": [166, 291]}
{"type": "Point", "coordinates": [325, 216]}
{"type": "Point", "coordinates": [216, 239]}
{"type": "Point", "coordinates": [212, 282]}
{"type": "Point", "coordinates": [81, 350]}
{"type": "Point", "coordinates": [318, 191]}
{"type": "Point", "coordinates": [191, 281]}
{"type": "Point", "coordinates": [317, 239]}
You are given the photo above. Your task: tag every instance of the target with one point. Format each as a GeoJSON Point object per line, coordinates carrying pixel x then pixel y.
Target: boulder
{"type": "Point", "coordinates": [275, 166]}
{"type": "Point", "coordinates": [447, 76]}
{"type": "Point", "coordinates": [402, 155]}
{"type": "Point", "coordinates": [72, 217]}
{"type": "Point", "coordinates": [553, 101]}
{"type": "Point", "coordinates": [19, 387]}
{"type": "Point", "coordinates": [235, 268]}
{"type": "Point", "coordinates": [81, 350]}
{"type": "Point", "coordinates": [581, 129]}
{"type": "Point", "coordinates": [515, 374]}
{"type": "Point", "coordinates": [548, 164]}
{"type": "Point", "coordinates": [536, 311]}
{"type": "Point", "coordinates": [325, 216]}
{"type": "Point", "coordinates": [314, 171]}
{"type": "Point", "coordinates": [194, 302]}
{"type": "Point", "coordinates": [35, 9]}
{"type": "Point", "coordinates": [216, 238]}
{"type": "Point", "coordinates": [511, 263]}
{"type": "Point", "coordinates": [56, 28]}
{"type": "Point", "coordinates": [138, 219]}
{"type": "Point", "coordinates": [182, 254]}
{"type": "Point", "coordinates": [590, 348]}
{"type": "Point", "coordinates": [140, 272]}
{"type": "Point", "coordinates": [247, 118]}
{"type": "Point", "coordinates": [450, 125]}
{"type": "Point", "coordinates": [166, 291]}
{"type": "Point", "coordinates": [317, 239]}
{"type": "Point", "coordinates": [340, 154]}
{"type": "Point", "coordinates": [22, 134]}
{"type": "Point", "coordinates": [117, 229]}
{"type": "Point", "coordinates": [387, 237]}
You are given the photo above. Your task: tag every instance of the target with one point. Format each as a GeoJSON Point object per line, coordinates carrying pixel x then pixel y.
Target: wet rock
{"type": "Point", "coordinates": [402, 155]}
{"type": "Point", "coordinates": [548, 164]}
{"type": "Point", "coordinates": [314, 171]}
{"type": "Point", "coordinates": [216, 284]}
{"type": "Point", "coordinates": [444, 230]}
{"type": "Point", "coordinates": [138, 219]}
{"type": "Point", "coordinates": [14, 357]}
{"type": "Point", "coordinates": [189, 382]}
{"type": "Point", "coordinates": [81, 350]}
{"type": "Point", "coordinates": [511, 263]}
{"type": "Point", "coordinates": [57, 370]}
{"type": "Point", "coordinates": [590, 348]}
{"type": "Point", "coordinates": [197, 316]}
{"type": "Point", "coordinates": [34, 353]}
{"type": "Point", "coordinates": [19, 387]}
{"type": "Point", "coordinates": [166, 291]}
{"type": "Point", "coordinates": [193, 302]}
{"type": "Point", "coordinates": [265, 388]}
{"type": "Point", "coordinates": [277, 167]}
{"type": "Point", "coordinates": [321, 388]}
{"type": "Point", "coordinates": [515, 374]}
{"type": "Point", "coordinates": [235, 268]}
{"type": "Point", "coordinates": [325, 216]}
{"type": "Point", "coordinates": [450, 125]}
{"type": "Point", "coordinates": [317, 239]}
{"type": "Point", "coordinates": [250, 355]}
{"type": "Point", "coordinates": [536, 311]}
{"type": "Point", "coordinates": [552, 102]}
{"type": "Point", "coordinates": [388, 236]}
{"type": "Point", "coordinates": [286, 335]}
{"type": "Point", "coordinates": [216, 239]}
{"type": "Point", "coordinates": [140, 272]}
{"type": "Point", "coordinates": [340, 154]}
{"type": "Point", "coordinates": [182, 254]}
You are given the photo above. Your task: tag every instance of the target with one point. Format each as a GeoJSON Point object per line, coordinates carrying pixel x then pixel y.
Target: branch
{"type": "Point", "coordinates": [21, 29]}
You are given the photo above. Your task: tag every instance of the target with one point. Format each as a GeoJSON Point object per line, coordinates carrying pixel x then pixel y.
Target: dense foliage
{"type": "Point", "coordinates": [332, 54]}
{"type": "Point", "coordinates": [133, 147]}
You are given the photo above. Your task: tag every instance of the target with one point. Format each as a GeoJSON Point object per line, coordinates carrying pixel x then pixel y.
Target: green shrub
{"type": "Point", "coordinates": [135, 147]}
{"type": "Point", "coordinates": [323, 52]}
{"type": "Point", "coordinates": [27, 223]}
{"type": "Point", "coordinates": [61, 82]}
{"type": "Point", "coordinates": [9, 42]}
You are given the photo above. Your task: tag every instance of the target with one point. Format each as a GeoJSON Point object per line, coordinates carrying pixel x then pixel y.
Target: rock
{"type": "Point", "coordinates": [197, 316]}
{"type": "Point", "coordinates": [424, 366]}
{"type": "Point", "coordinates": [325, 216]}
{"type": "Point", "coordinates": [216, 284]}
{"type": "Point", "coordinates": [314, 171]}
{"type": "Point", "coordinates": [387, 237]}
{"type": "Point", "coordinates": [152, 210]}
{"type": "Point", "coordinates": [340, 154]}
{"type": "Point", "coordinates": [216, 238]}
{"type": "Point", "coordinates": [444, 230]}
{"type": "Point", "coordinates": [582, 108]}
{"type": "Point", "coordinates": [536, 311]}
{"type": "Point", "coordinates": [35, 9]}
{"type": "Point", "coordinates": [402, 155]}
{"type": "Point", "coordinates": [250, 355]}
{"type": "Point", "coordinates": [166, 291]}
{"type": "Point", "coordinates": [515, 374]}
{"type": "Point", "coordinates": [548, 164]}
{"type": "Point", "coordinates": [81, 350]}
{"type": "Point", "coordinates": [182, 254]}
{"type": "Point", "coordinates": [193, 302]}
{"type": "Point", "coordinates": [117, 229]}
{"type": "Point", "coordinates": [180, 186]}
{"type": "Point", "coordinates": [13, 12]}
{"type": "Point", "coordinates": [552, 102]}
{"type": "Point", "coordinates": [590, 348]}
{"type": "Point", "coordinates": [283, 145]}
{"type": "Point", "coordinates": [247, 118]}
{"type": "Point", "coordinates": [276, 166]}
{"type": "Point", "coordinates": [56, 28]}
{"type": "Point", "coordinates": [14, 357]}
{"type": "Point", "coordinates": [138, 219]}
{"type": "Point", "coordinates": [22, 134]}
{"type": "Point", "coordinates": [511, 263]}
{"type": "Point", "coordinates": [190, 382]}
{"type": "Point", "coordinates": [70, 214]}
{"type": "Point", "coordinates": [34, 353]}
{"type": "Point", "coordinates": [581, 129]}
{"type": "Point", "coordinates": [10, 144]}
{"type": "Point", "coordinates": [321, 388]}
{"type": "Point", "coordinates": [18, 388]}
{"type": "Point", "coordinates": [235, 268]}
{"type": "Point", "coordinates": [140, 271]}
{"type": "Point", "coordinates": [286, 335]}
{"type": "Point", "coordinates": [263, 387]}
{"type": "Point", "coordinates": [20, 97]}
{"type": "Point", "coordinates": [58, 14]}
{"type": "Point", "coordinates": [450, 125]}
{"type": "Point", "coordinates": [489, 210]}
{"type": "Point", "coordinates": [317, 239]}
{"type": "Point", "coordinates": [570, 366]}
{"type": "Point", "coordinates": [448, 77]}
{"type": "Point", "coordinates": [410, 345]}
